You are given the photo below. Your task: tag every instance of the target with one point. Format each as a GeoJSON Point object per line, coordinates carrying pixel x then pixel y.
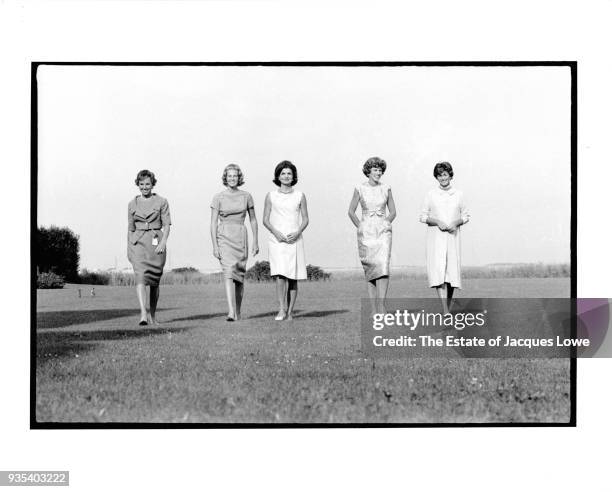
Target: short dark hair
{"type": "Point", "coordinates": [374, 162]}
{"type": "Point", "coordinates": [279, 169]}
{"type": "Point", "coordinates": [440, 167]}
{"type": "Point", "coordinates": [236, 168]}
{"type": "Point", "coordinates": [145, 173]}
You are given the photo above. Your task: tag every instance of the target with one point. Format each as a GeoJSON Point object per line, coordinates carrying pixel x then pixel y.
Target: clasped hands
{"type": "Point", "coordinates": [290, 238]}
{"type": "Point", "coordinates": [443, 226]}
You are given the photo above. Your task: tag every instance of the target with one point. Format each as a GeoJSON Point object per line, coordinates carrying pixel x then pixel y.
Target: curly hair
{"type": "Point", "coordinates": [279, 170]}
{"type": "Point", "coordinates": [145, 173]}
{"type": "Point", "coordinates": [374, 162]}
{"type": "Point", "coordinates": [236, 168]}
{"type": "Point", "coordinates": [440, 167]}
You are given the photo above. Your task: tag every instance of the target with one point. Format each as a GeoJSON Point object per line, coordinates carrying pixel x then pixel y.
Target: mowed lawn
{"type": "Point", "coordinates": [94, 364]}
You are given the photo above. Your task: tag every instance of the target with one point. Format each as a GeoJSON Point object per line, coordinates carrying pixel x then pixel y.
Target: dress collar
{"type": "Point", "coordinates": [450, 191]}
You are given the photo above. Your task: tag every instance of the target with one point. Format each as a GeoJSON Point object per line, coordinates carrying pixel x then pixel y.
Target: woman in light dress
{"type": "Point", "coordinates": [229, 235]}
{"type": "Point", "coordinates": [374, 230]}
{"type": "Point", "coordinates": [148, 230]}
{"type": "Point", "coordinates": [444, 211]}
{"type": "Point", "coordinates": [286, 217]}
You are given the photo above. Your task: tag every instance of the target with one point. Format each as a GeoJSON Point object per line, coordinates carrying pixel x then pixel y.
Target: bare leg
{"type": "Point", "coordinates": [449, 296]}
{"type": "Point", "coordinates": [231, 299]}
{"type": "Point", "coordinates": [372, 294]}
{"type": "Point", "coordinates": [153, 297]}
{"type": "Point", "coordinates": [292, 292]}
{"type": "Point", "coordinates": [441, 291]}
{"type": "Point", "coordinates": [141, 293]}
{"type": "Point", "coordinates": [239, 291]}
{"type": "Point", "coordinates": [382, 286]}
{"type": "Point", "coordinates": [281, 294]}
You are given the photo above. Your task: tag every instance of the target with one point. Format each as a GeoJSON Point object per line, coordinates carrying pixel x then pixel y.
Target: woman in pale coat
{"type": "Point", "coordinates": [444, 211]}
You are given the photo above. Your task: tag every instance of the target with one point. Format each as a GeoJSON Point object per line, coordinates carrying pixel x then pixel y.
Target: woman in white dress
{"type": "Point", "coordinates": [374, 230]}
{"type": "Point", "coordinates": [283, 210]}
{"type": "Point", "coordinates": [444, 211]}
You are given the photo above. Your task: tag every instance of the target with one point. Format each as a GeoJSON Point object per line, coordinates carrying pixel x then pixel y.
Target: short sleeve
{"type": "Point", "coordinates": [165, 213]}
{"type": "Point", "coordinates": [131, 222]}
{"type": "Point", "coordinates": [250, 203]}
{"type": "Point", "coordinates": [216, 202]}
{"type": "Point", "coordinates": [425, 209]}
{"type": "Point", "coordinates": [463, 210]}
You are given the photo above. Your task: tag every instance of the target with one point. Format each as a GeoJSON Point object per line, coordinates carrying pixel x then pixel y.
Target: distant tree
{"type": "Point", "coordinates": [49, 280]}
{"type": "Point", "coordinates": [57, 251]}
{"type": "Point", "coordinates": [316, 273]}
{"type": "Point", "coordinates": [259, 272]}
{"type": "Point", "coordinates": [185, 270]}
{"type": "Point", "coordinates": [94, 278]}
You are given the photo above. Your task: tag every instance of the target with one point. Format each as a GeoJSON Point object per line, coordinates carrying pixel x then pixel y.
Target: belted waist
{"type": "Point", "coordinates": [233, 221]}
{"type": "Point", "coordinates": [146, 226]}
{"type": "Point", "coordinates": [372, 213]}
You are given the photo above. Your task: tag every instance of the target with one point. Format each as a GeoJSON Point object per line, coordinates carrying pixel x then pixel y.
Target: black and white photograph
{"type": "Point", "coordinates": [286, 245]}
{"type": "Point", "coordinates": [265, 204]}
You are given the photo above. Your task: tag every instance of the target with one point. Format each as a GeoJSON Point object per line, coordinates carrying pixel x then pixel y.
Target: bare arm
{"type": "Point", "coordinates": [391, 206]}
{"type": "Point", "coordinates": [214, 218]}
{"type": "Point", "coordinates": [254, 230]}
{"type": "Point", "coordinates": [293, 236]}
{"type": "Point", "coordinates": [353, 207]}
{"type": "Point", "coordinates": [266, 220]}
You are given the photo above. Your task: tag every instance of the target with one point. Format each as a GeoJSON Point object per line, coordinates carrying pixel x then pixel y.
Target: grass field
{"type": "Point", "coordinates": [94, 364]}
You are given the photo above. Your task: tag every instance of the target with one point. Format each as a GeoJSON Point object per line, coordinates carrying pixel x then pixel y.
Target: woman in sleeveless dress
{"type": "Point", "coordinates": [148, 230]}
{"type": "Point", "coordinates": [229, 235]}
{"type": "Point", "coordinates": [444, 211]}
{"type": "Point", "coordinates": [374, 230]}
{"type": "Point", "coordinates": [286, 217]}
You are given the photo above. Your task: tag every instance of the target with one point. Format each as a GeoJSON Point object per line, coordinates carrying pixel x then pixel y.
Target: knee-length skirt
{"type": "Point", "coordinates": [374, 243]}
{"type": "Point", "coordinates": [232, 240]}
{"type": "Point", "coordinates": [148, 265]}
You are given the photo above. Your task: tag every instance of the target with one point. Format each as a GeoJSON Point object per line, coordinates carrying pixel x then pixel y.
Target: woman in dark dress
{"type": "Point", "coordinates": [148, 230]}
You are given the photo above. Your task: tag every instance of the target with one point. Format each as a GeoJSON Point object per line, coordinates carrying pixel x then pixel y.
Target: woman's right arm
{"type": "Point", "coordinates": [352, 207]}
{"type": "Point", "coordinates": [266, 220]}
{"type": "Point", "coordinates": [429, 219]}
{"type": "Point", "coordinates": [214, 218]}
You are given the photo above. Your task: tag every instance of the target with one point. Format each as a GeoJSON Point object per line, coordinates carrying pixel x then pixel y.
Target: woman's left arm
{"type": "Point", "coordinates": [293, 236]}
{"type": "Point", "coordinates": [464, 216]}
{"type": "Point", "coordinates": [254, 226]}
{"type": "Point", "coordinates": [165, 218]}
{"type": "Point", "coordinates": [391, 207]}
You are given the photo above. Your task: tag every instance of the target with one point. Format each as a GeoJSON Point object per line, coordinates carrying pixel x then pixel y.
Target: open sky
{"type": "Point", "coordinates": [505, 130]}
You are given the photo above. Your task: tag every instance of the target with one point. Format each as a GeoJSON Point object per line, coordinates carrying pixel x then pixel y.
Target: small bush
{"type": "Point", "coordinates": [316, 273]}
{"type": "Point", "coordinates": [259, 272]}
{"type": "Point", "coordinates": [94, 278]}
{"type": "Point", "coordinates": [49, 280]}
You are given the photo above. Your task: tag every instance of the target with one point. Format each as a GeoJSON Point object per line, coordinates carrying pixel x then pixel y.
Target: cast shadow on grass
{"type": "Point", "coordinates": [59, 319]}
{"type": "Point", "coordinates": [269, 314]}
{"type": "Point", "coordinates": [300, 313]}
{"type": "Point", "coordinates": [51, 345]}
{"type": "Point", "coordinates": [322, 314]}
{"type": "Point", "coordinates": [200, 317]}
